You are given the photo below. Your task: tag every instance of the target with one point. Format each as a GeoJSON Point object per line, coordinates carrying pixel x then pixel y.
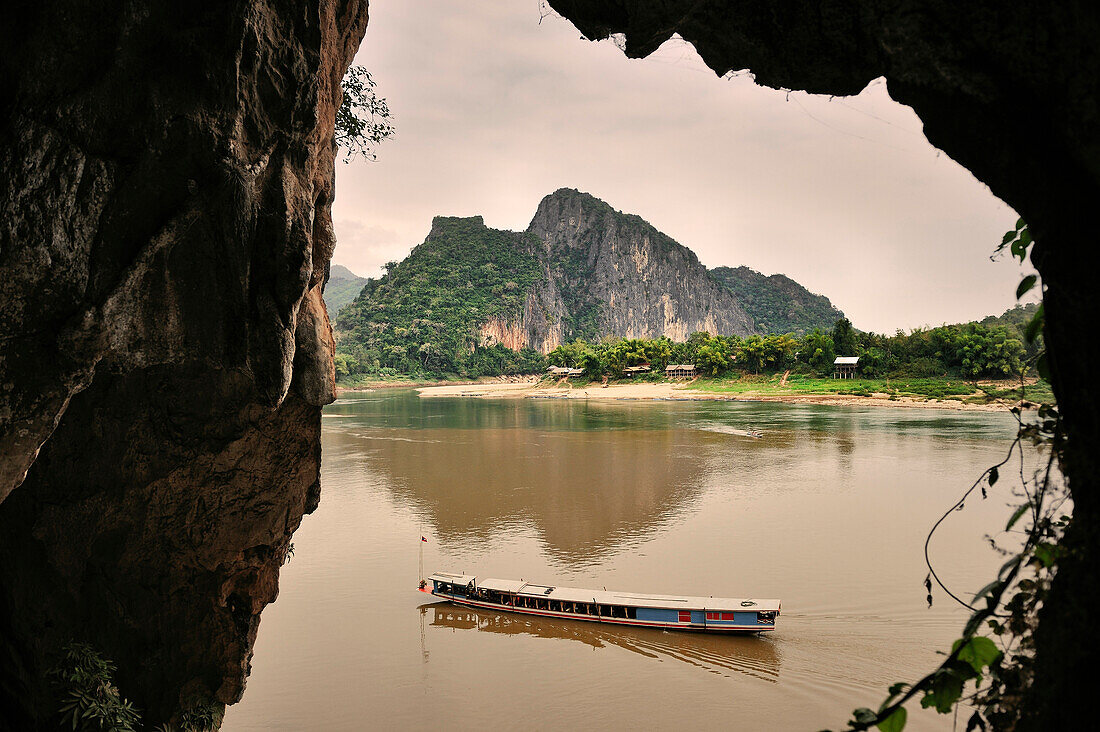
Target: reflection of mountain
{"type": "Point", "coordinates": [585, 492]}
{"type": "Point", "coordinates": [749, 655]}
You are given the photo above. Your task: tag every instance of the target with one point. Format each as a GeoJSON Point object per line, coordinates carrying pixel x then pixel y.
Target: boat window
{"type": "Point", "coordinates": [727, 616]}
{"type": "Point", "coordinates": [632, 613]}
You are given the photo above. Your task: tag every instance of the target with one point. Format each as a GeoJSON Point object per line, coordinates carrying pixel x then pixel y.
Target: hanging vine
{"type": "Point", "coordinates": [991, 666]}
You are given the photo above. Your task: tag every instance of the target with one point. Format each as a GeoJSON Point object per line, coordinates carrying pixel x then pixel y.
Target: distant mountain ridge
{"type": "Point", "coordinates": [580, 270]}
{"type": "Point", "coordinates": [777, 303]}
{"type": "Point", "coordinates": [343, 287]}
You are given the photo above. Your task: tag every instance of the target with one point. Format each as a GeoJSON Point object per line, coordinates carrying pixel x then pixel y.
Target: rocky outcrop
{"type": "Point", "coordinates": [617, 275]}
{"type": "Point", "coordinates": [1009, 90]}
{"type": "Point", "coordinates": [168, 176]}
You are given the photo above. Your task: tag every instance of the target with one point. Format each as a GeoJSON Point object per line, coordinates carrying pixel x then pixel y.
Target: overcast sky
{"type": "Point", "coordinates": [495, 109]}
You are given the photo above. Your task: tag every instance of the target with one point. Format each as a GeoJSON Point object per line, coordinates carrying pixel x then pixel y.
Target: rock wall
{"type": "Point", "coordinates": [164, 354]}
{"type": "Point", "coordinates": [614, 273]}
{"type": "Point", "coordinates": [1009, 90]}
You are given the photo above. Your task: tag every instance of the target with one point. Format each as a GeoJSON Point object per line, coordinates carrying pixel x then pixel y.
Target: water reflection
{"type": "Point", "coordinates": [583, 495]}
{"type": "Point", "coordinates": [590, 478]}
{"type": "Point", "coordinates": [749, 655]}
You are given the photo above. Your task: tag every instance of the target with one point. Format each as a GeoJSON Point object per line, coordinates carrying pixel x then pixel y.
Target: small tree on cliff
{"type": "Point", "coordinates": [363, 120]}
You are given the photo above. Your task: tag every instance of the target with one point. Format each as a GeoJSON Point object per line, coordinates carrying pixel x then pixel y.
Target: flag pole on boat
{"type": "Point", "coordinates": [421, 544]}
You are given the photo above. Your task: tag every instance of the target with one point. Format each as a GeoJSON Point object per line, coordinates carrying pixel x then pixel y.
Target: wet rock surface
{"type": "Point", "coordinates": [164, 352]}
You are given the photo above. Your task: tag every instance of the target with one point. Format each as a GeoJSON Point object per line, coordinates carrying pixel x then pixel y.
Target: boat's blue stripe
{"type": "Point", "coordinates": [712, 625]}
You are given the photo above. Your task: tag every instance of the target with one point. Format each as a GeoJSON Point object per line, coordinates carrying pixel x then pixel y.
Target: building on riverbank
{"type": "Point", "coordinates": [632, 371]}
{"type": "Point", "coordinates": [680, 371]}
{"type": "Point", "coordinates": [844, 367]}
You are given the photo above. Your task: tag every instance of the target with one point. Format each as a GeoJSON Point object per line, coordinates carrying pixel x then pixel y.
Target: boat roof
{"type": "Point", "coordinates": [454, 579]}
{"type": "Point", "coordinates": [605, 597]}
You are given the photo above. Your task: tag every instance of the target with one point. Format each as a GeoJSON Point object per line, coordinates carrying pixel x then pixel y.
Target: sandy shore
{"type": "Point", "coordinates": [677, 392]}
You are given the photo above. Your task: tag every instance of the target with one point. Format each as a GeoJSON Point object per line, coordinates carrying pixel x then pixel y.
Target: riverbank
{"type": "Point", "coordinates": [401, 382]}
{"type": "Point", "coordinates": [923, 393]}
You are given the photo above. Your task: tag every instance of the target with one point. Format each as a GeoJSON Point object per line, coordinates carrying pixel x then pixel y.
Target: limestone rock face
{"type": "Point", "coordinates": [616, 274]}
{"type": "Point", "coordinates": [167, 174]}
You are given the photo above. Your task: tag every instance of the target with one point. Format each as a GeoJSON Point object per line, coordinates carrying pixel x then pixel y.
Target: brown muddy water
{"type": "Point", "coordinates": [827, 512]}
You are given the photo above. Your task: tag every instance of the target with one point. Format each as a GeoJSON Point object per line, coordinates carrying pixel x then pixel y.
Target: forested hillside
{"type": "Point", "coordinates": [777, 303]}
{"type": "Point", "coordinates": [423, 315]}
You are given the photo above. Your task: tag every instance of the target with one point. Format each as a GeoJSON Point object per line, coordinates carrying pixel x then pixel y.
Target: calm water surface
{"type": "Point", "coordinates": [828, 512]}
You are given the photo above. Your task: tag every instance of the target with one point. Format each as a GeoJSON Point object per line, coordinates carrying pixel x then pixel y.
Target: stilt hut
{"type": "Point", "coordinates": [844, 367]}
{"type": "Point", "coordinates": [680, 371]}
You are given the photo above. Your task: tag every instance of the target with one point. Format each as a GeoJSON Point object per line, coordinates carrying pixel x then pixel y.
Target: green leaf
{"type": "Point", "coordinates": [946, 689]}
{"type": "Point", "coordinates": [985, 590]}
{"type": "Point", "coordinates": [863, 715]}
{"type": "Point", "coordinates": [1016, 515]}
{"type": "Point", "coordinates": [979, 652]}
{"type": "Point", "coordinates": [1020, 224]}
{"type": "Point", "coordinates": [1043, 367]}
{"type": "Point", "coordinates": [1035, 327]}
{"type": "Point", "coordinates": [1025, 285]}
{"type": "Point", "coordinates": [1046, 554]}
{"type": "Point", "coordinates": [975, 722]}
{"type": "Point", "coordinates": [895, 722]}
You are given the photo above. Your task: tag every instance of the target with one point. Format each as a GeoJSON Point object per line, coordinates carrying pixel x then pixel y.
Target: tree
{"type": "Point", "coordinates": [816, 350]}
{"type": "Point", "coordinates": [844, 338]}
{"type": "Point", "coordinates": [363, 120]}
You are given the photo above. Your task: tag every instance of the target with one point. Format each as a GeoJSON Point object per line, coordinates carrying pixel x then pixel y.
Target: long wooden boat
{"type": "Point", "coordinates": [701, 614]}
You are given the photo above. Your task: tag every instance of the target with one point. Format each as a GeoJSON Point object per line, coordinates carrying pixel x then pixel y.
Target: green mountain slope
{"type": "Point", "coordinates": [343, 287]}
{"type": "Point", "coordinates": [777, 303]}
{"type": "Point", "coordinates": [423, 314]}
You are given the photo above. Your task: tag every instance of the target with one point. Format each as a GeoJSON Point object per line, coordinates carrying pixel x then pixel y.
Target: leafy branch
{"type": "Point", "coordinates": [364, 120]}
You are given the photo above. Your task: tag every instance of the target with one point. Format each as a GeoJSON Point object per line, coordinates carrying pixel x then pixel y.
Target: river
{"type": "Point", "coordinates": [828, 512]}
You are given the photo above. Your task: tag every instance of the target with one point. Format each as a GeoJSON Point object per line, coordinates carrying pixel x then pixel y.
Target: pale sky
{"type": "Point", "coordinates": [495, 109]}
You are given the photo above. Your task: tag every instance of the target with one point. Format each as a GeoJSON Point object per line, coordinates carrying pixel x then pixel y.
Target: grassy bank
{"type": "Point", "coordinates": [937, 388]}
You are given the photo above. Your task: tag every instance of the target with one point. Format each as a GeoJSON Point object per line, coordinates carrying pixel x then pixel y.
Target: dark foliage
{"type": "Point", "coordinates": [776, 303]}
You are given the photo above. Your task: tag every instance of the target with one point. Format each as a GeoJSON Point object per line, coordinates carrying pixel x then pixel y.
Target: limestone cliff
{"type": "Point", "coordinates": [168, 173]}
{"type": "Point", "coordinates": [617, 275]}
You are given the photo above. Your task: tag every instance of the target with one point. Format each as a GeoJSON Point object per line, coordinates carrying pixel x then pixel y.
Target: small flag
{"type": "Point", "coordinates": [423, 539]}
